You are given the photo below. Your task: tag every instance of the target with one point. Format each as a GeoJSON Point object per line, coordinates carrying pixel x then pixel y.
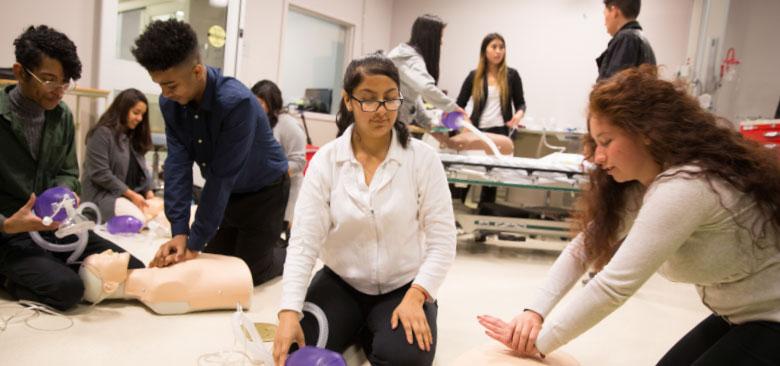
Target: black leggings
{"type": "Point", "coordinates": [354, 317]}
{"type": "Point", "coordinates": [499, 130]}
{"type": "Point", "coordinates": [33, 273]}
{"type": "Point", "coordinates": [716, 342]}
{"type": "Point", "coordinates": [488, 194]}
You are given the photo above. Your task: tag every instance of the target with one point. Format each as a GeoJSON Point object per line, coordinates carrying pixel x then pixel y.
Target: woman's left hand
{"type": "Point", "coordinates": [518, 335]}
{"type": "Point", "coordinates": [149, 195]}
{"type": "Point", "coordinates": [412, 317]}
{"type": "Point", "coordinates": [516, 120]}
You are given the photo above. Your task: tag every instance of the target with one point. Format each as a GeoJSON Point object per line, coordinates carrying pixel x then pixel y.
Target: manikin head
{"type": "Point", "coordinates": [103, 273]}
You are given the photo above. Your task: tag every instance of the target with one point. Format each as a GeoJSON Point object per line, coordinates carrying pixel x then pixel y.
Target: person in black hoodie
{"type": "Point", "coordinates": [494, 89]}
{"type": "Point", "coordinates": [628, 46]}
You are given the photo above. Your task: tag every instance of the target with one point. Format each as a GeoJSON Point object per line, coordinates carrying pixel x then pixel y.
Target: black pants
{"type": "Point", "coordinates": [499, 130]}
{"type": "Point", "coordinates": [29, 272]}
{"type": "Point", "coordinates": [716, 342]}
{"type": "Point", "coordinates": [488, 194]}
{"type": "Point", "coordinates": [354, 317]}
{"type": "Point", "coordinates": [251, 229]}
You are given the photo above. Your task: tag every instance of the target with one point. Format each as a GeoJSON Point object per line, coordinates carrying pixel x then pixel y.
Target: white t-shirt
{"type": "Point", "coordinates": [491, 115]}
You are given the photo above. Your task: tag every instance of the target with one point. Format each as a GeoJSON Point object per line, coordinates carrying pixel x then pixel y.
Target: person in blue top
{"type": "Point", "coordinates": [216, 122]}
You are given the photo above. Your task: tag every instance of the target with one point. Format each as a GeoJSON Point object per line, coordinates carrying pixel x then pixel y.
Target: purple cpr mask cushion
{"type": "Point", "coordinates": [124, 224]}
{"type": "Point", "coordinates": [309, 355]}
{"type": "Point", "coordinates": [45, 203]}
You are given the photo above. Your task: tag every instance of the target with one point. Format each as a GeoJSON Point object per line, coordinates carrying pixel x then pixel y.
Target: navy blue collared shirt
{"type": "Point", "coordinates": [228, 135]}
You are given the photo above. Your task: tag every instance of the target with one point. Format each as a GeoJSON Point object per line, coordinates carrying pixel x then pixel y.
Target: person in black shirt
{"type": "Point", "coordinates": [628, 46]}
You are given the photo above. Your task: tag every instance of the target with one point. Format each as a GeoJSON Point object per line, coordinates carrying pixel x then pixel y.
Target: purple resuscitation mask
{"type": "Point", "coordinates": [124, 224]}
{"type": "Point", "coordinates": [315, 356]}
{"type": "Point", "coordinates": [452, 120]}
{"type": "Point", "coordinates": [46, 202]}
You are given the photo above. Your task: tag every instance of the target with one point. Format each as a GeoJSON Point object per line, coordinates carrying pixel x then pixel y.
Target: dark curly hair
{"type": "Point", "coordinates": [43, 40]}
{"type": "Point", "coordinates": [269, 92]}
{"type": "Point", "coordinates": [115, 118]}
{"type": "Point", "coordinates": [165, 44]}
{"type": "Point", "coordinates": [372, 64]}
{"type": "Point", "coordinates": [680, 132]}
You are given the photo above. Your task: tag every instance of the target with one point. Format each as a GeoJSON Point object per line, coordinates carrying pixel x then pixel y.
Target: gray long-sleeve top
{"type": "Point", "coordinates": [417, 84]}
{"type": "Point", "coordinates": [688, 233]}
{"type": "Point", "coordinates": [292, 137]}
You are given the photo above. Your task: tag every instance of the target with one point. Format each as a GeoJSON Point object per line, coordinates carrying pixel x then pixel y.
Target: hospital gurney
{"type": "Point", "coordinates": [557, 172]}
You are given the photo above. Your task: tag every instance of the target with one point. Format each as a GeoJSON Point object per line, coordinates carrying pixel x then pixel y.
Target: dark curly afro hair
{"type": "Point", "coordinates": [165, 44]}
{"type": "Point", "coordinates": [42, 40]}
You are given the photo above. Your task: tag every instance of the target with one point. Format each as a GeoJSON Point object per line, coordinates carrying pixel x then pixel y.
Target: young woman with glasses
{"type": "Point", "coordinates": [375, 209]}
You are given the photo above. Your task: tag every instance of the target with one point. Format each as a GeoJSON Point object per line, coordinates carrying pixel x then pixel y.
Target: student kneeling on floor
{"type": "Point", "coordinates": [38, 150]}
{"type": "Point", "coordinates": [217, 123]}
{"type": "Point", "coordinates": [376, 205]}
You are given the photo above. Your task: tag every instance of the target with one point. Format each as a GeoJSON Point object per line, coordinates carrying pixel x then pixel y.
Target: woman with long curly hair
{"type": "Point", "coordinates": [673, 191]}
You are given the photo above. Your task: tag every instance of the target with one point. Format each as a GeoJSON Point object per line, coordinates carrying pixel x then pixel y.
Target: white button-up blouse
{"type": "Point", "coordinates": [398, 229]}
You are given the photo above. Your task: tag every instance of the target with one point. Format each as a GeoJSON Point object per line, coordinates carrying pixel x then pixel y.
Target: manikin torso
{"type": "Point", "coordinates": [207, 282]}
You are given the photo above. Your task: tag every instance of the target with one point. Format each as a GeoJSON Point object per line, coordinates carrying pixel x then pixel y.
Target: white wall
{"type": "Point", "coordinates": [264, 25]}
{"type": "Point", "coordinates": [752, 31]}
{"type": "Point", "coordinates": [553, 44]}
{"type": "Point", "coordinates": [77, 19]}
{"type": "Point", "coordinates": [263, 31]}
{"type": "Point", "coordinates": [80, 20]}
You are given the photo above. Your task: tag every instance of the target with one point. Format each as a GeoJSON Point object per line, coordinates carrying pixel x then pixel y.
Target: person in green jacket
{"type": "Point", "coordinates": [37, 152]}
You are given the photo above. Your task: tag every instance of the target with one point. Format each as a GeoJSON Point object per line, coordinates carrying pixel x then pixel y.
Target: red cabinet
{"type": "Point", "coordinates": [765, 131]}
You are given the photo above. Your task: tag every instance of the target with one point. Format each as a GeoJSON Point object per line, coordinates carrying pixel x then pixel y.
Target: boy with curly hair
{"type": "Point", "coordinates": [38, 152]}
{"type": "Point", "coordinates": [216, 122]}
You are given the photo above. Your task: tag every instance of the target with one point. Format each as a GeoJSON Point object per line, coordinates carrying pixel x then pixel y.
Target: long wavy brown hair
{"type": "Point", "coordinates": [115, 118]}
{"type": "Point", "coordinates": [679, 132]}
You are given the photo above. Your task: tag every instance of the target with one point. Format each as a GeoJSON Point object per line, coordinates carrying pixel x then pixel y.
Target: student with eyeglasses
{"type": "Point", "coordinates": [38, 149]}
{"type": "Point", "coordinates": [375, 208]}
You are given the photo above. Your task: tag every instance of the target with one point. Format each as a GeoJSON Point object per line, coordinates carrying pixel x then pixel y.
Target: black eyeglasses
{"type": "Point", "coordinates": [52, 85]}
{"type": "Point", "coordinates": [373, 105]}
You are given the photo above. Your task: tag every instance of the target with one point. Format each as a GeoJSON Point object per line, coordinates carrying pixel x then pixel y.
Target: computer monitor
{"type": "Point", "coordinates": [318, 100]}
